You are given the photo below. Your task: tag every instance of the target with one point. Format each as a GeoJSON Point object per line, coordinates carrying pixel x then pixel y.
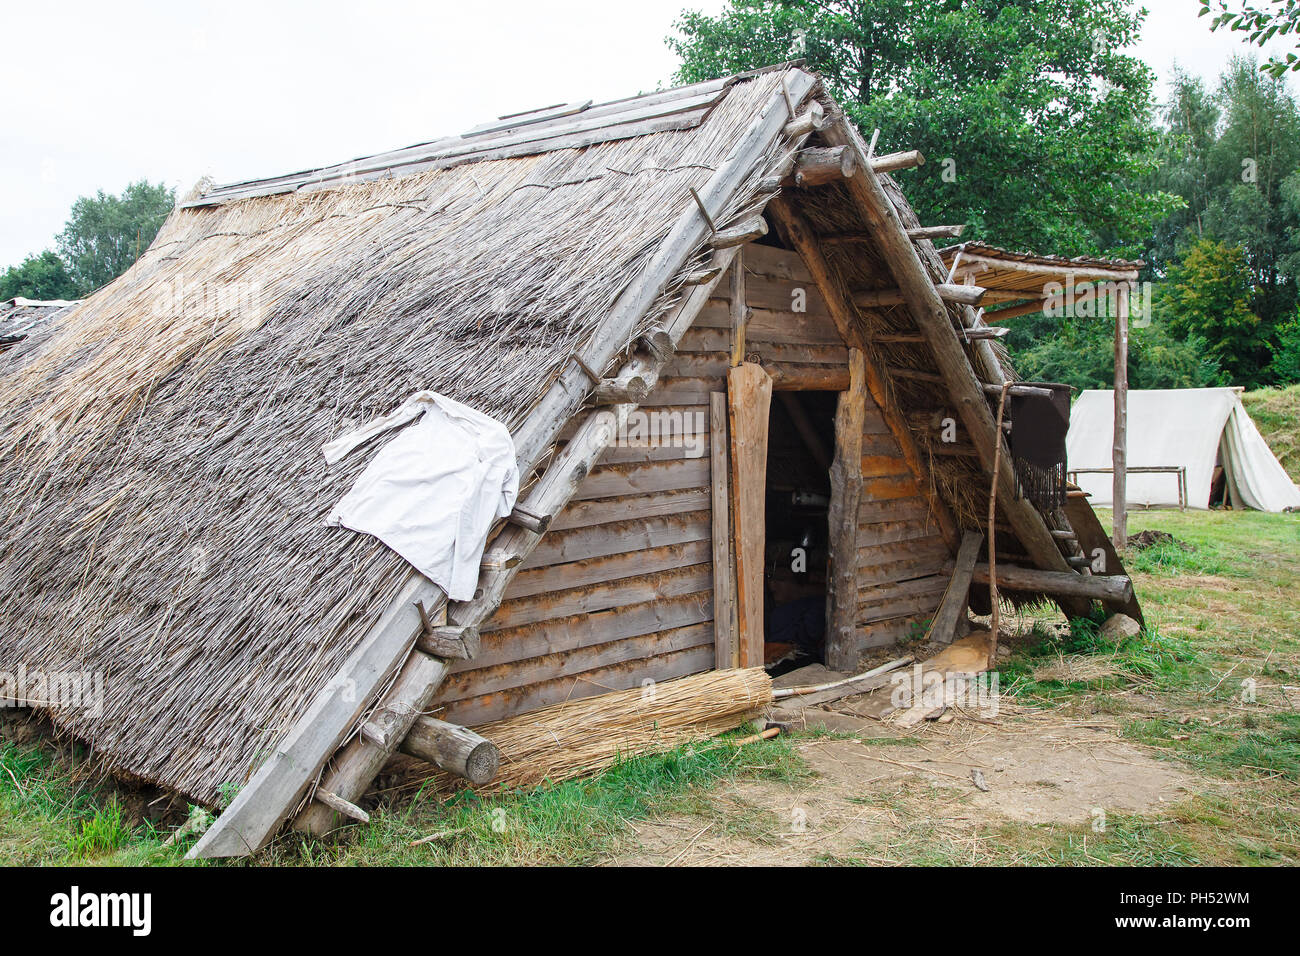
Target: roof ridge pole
{"type": "Point", "coordinates": [931, 316]}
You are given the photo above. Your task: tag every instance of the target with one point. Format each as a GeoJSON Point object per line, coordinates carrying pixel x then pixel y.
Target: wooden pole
{"type": "Point", "coordinates": [846, 492]}
{"type": "Point", "coordinates": [1119, 451]}
{"type": "Point", "coordinates": [749, 397]}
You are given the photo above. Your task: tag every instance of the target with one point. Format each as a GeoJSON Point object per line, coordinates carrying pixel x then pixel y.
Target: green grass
{"type": "Point", "coordinates": [48, 818]}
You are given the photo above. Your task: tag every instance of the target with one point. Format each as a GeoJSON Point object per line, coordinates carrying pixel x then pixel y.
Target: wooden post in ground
{"type": "Point", "coordinates": [846, 491]}
{"type": "Point", "coordinates": [1119, 450]}
{"type": "Point", "coordinates": [749, 397]}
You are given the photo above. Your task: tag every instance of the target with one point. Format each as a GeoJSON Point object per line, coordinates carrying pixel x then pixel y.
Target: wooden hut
{"type": "Point", "coordinates": [723, 346]}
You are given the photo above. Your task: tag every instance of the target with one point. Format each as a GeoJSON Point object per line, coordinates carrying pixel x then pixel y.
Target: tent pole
{"type": "Point", "coordinates": [1119, 451]}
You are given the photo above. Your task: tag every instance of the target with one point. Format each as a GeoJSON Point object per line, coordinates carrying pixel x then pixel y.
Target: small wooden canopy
{"type": "Point", "coordinates": [1014, 277]}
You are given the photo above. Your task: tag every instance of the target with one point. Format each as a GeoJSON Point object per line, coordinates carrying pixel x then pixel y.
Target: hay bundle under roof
{"type": "Point", "coordinates": [161, 450]}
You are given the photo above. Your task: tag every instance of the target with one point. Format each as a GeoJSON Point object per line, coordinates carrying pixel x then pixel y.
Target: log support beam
{"type": "Point", "coordinates": [453, 748]}
{"type": "Point", "coordinates": [1108, 589]}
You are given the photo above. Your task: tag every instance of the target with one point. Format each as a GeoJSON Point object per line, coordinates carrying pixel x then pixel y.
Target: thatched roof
{"type": "Point", "coordinates": [165, 442]}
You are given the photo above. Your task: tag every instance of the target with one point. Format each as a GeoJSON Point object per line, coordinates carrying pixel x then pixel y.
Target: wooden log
{"type": "Point", "coordinates": [749, 395]}
{"type": "Point", "coordinates": [800, 235]}
{"type": "Point", "coordinates": [952, 608]}
{"type": "Point", "coordinates": [820, 165]}
{"type": "Point", "coordinates": [935, 232]}
{"type": "Point", "coordinates": [877, 298]}
{"type": "Point", "coordinates": [1090, 587]}
{"type": "Point", "coordinates": [846, 490]}
{"type": "Point", "coordinates": [1093, 537]}
{"type": "Point", "coordinates": [894, 161]}
{"type": "Point", "coordinates": [450, 642]}
{"type": "Point", "coordinates": [739, 309]}
{"type": "Point", "coordinates": [749, 230]}
{"type": "Point", "coordinates": [454, 748]}
{"type": "Point", "coordinates": [701, 276]}
{"type": "Point", "coordinates": [1015, 311]}
{"type": "Point", "coordinates": [725, 644]}
{"type": "Point", "coordinates": [931, 316]}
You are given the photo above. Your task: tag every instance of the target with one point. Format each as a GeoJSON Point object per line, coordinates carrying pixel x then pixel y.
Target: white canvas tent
{"type": "Point", "coordinates": [1192, 428]}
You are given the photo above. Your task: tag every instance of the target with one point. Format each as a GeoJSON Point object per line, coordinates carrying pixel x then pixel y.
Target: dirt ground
{"type": "Point", "coordinates": [879, 774]}
{"type": "Point", "coordinates": [865, 790]}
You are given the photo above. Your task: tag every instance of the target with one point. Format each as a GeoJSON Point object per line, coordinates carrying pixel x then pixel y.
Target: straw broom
{"type": "Point", "coordinates": [581, 737]}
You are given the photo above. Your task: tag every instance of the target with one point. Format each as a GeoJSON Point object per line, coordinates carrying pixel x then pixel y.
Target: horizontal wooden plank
{"type": "Point", "coordinates": [880, 443]}
{"type": "Point", "coordinates": [609, 481]}
{"type": "Point", "coordinates": [892, 487]}
{"type": "Point", "coordinates": [683, 392]}
{"type": "Point", "coordinates": [893, 509]}
{"type": "Point", "coordinates": [705, 363]}
{"type": "Point", "coordinates": [489, 707]}
{"type": "Point", "coordinates": [906, 569]}
{"type": "Point", "coordinates": [887, 532]}
{"type": "Point", "coordinates": [903, 605]}
{"type": "Point", "coordinates": [680, 448]}
{"type": "Point", "coordinates": [583, 514]}
{"type": "Point", "coordinates": [560, 576]}
{"type": "Point", "coordinates": [884, 466]}
{"type": "Point", "coordinates": [770, 261]}
{"type": "Point", "coordinates": [574, 658]}
{"type": "Point", "coordinates": [893, 630]}
{"type": "Point", "coordinates": [599, 597]}
{"type": "Point", "coordinates": [772, 325]}
{"type": "Point", "coordinates": [599, 541]}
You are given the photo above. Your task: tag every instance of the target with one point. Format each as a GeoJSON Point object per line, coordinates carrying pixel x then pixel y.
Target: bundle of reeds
{"type": "Point", "coordinates": [580, 737]}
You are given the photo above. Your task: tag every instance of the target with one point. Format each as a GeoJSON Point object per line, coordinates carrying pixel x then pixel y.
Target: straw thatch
{"type": "Point", "coordinates": [161, 450]}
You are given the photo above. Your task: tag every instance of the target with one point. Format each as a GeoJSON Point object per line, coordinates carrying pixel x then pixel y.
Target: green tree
{"type": "Point", "coordinates": [1081, 353]}
{"type": "Point", "coordinates": [105, 234]}
{"type": "Point", "coordinates": [1286, 352]}
{"type": "Point", "coordinates": [1207, 295]}
{"type": "Point", "coordinates": [1263, 23]}
{"type": "Point", "coordinates": [1036, 122]}
{"type": "Point", "coordinates": [38, 277]}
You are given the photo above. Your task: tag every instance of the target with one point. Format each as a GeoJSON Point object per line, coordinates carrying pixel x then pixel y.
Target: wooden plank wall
{"type": "Point", "coordinates": [620, 589]}
{"type": "Point", "coordinates": [903, 563]}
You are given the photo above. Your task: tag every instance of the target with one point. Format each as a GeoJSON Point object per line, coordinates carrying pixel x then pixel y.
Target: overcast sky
{"type": "Point", "coordinates": [98, 94]}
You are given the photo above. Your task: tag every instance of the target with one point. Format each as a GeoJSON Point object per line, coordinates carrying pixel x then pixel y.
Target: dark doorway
{"type": "Point", "coordinates": [801, 443]}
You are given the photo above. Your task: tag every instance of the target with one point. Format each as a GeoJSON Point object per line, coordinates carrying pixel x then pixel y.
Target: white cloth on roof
{"type": "Point", "coordinates": [432, 493]}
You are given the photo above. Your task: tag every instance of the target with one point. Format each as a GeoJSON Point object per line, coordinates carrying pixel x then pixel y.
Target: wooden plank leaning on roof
{"type": "Point", "coordinates": [930, 314]}
{"type": "Point", "coordinates": [281, 783]}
